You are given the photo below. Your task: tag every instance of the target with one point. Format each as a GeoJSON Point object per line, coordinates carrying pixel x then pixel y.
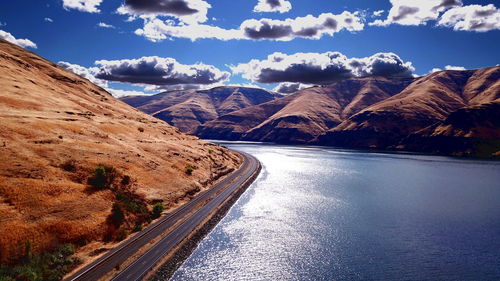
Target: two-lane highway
{"type": "Point", "coordinates": [191, 216]}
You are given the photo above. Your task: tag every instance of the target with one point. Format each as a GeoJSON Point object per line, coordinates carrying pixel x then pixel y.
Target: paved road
{"type": "Point", "coordinates": [135, 271]}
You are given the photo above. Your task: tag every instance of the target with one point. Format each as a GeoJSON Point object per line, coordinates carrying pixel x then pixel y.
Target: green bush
{"type": "Point", "coordinates": [103, 177]}
{"type": "Point", "coordinates": [122, 234]}
{"type": "Point", "coordinates": [117, 215]}
{"type": "Point", "coordinates": [137, 227]}
{"type": "Point", "coordinates": [189, 170]}
{"type": "Point", "coordinates": [46, 266]}
{"type": "Point", "coordinates": [157, 210]}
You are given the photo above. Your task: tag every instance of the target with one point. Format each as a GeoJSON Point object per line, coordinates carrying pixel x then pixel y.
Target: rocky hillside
{"type": "Point", "coordinates": [189, 109]}
{"type": "Point", "coordinates": [305, 115]}
{"type": "Point", "coordinates": [79, 165]}
{"type": "Point", "coordinates": [446, 105]}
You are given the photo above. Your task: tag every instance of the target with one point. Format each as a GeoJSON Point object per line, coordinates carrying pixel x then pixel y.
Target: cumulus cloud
{"type": "Point", "coordinates": [48, 20]}
{"type": "Point", "coordinates": [448, 67]}
{"type": "Point", "coordinates": [472, 18]}
{"type": "Point", "coordinates": [263, 29]}
{"type": "Point", "coordinates": [156, 30]}
{"type": "Point", "coordinates": [86, 72]}
{"type": "Point", "coordinates": [411, 12]}
{"type": "Point", "coordinates": [105, 25]}
{"type": "Point", "coordinates": [90, 72]}
{"type": "Point", "coordinates": [321, 68]}
{"type": "Point", "coordinates": [117, 93]}
{"type": "Point", "coordinates": [89, 6]}
{"type": "Point", "coordinates": [288, 88]}
{"type": "Point", "coordinates": [447, 13]}
{"type": "Point", "coordinates": [154, 73]}
{"type": "Point", "coordinates": [188, 11]}
{"type": "Point", "coordinates": [25, 43]}
{"type": "Point", "coordinates": [378, 13]}
{"type": "Point", "coordinates": [159, 72]}
{"type": "Point", "coordinates": [281, 6]}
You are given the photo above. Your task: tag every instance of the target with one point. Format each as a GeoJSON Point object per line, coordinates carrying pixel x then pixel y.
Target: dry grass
{"type": "Point", "coordinates": [48, 117]}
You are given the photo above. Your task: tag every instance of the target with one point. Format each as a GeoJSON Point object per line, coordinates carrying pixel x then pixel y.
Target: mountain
{"type": "Point", "coordinates": [458, 104]}
{"type": "Point", "coordinates": [191, 108]}
{"type": "Point", "coordinates": [418, 114]}
{"type": "Point", "coordinates": [473, 130]}
{"type": "Point", "coordinates": [80, 166]}
{"type": "Point", "coordinates": [304, 115]}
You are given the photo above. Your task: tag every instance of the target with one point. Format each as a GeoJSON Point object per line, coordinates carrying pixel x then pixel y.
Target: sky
{"type": "Point", "coordinates": [148, 46]}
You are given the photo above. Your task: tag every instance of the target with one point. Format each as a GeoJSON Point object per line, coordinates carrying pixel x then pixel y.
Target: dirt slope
{"type": "Point", "coordinates": [55, 128]}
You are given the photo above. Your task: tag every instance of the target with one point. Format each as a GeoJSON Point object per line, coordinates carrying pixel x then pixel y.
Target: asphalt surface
{"type": "Point", "coordinates": [193, 216]}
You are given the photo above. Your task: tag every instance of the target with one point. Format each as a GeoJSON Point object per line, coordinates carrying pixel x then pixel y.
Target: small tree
{"type": "Point", "coordinates": [189, 170]}
{"type": "Point", "coordinates": [117, 215]}
{"type": "Point", "coordinates": [103, 177]}
{"type": "Point", "coordinates": [157, 210]}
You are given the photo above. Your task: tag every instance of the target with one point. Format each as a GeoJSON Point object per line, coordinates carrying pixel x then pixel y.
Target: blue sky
{"type": "Point", "coordinates": [428, 40]}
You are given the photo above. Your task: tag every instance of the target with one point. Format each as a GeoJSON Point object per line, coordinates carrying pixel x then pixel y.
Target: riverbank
{"type": "Point", "coordinates": [172, 262]}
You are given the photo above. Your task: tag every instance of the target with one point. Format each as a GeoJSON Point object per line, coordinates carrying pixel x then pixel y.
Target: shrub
{"type": "Point", "coordinates": [137, 227]}
{"type": "Point", "coordinates": [122, 234]}
{"type": "Point", "coordinates": [140, 129]}
{"type": "Point", "coordinates": [103, 177]}
{"type": "Point", "coordinates": [126, 180]}
{"type": "Point", "coordinates": [157, 210]}
{"type": "Point", "coordinates": [189, 170]}
{"type": "Point", "coordinates": [49, 266]}
{"type": "Point", "coordinates": [117, 215]}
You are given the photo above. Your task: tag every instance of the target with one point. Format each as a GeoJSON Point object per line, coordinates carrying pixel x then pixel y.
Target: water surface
{"type": "Point", "coordinates": [324, 214]}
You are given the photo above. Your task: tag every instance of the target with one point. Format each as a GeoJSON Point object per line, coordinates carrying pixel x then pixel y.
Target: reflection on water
{"type": "Point", "coordinates": [320, 214]}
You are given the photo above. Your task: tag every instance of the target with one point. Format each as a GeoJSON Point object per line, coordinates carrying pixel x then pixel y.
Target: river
{"type": "Point", "coordinates": [325, 214]}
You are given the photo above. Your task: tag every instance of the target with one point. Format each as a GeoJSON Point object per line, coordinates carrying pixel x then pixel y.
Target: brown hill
{"type": "Point", "coordinates": [429, 101]}
{"type": "Point", "coordinates": [473, 130]}
{"type": "Point", "coordinates": [189, 109]}
{"type": "Point", "coordinates": [303, 116]}
{"type": "Point", "coordinates": [56, 128]}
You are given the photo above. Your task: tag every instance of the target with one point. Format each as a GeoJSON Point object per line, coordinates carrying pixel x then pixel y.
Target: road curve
{"type": "Point", "coordinates": [212, 197]}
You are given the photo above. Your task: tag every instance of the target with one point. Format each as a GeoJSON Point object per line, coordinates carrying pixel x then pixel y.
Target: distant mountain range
{"type": "Point", "coordinates": [189, 109]}
{"type": "Point", "coordinates": [448, 112]}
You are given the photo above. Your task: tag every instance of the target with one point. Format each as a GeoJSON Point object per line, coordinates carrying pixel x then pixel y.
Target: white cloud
{"type": "Point", "coordinates": [89, 6]}
{"type": "Point", "coordinates": [281, 6]}
{"type": "Point", "coordinates": [447, 13]}
{"type": "Point", "coordinates": [86, 72]}
{"type": "Point", "coordinates": [263, 29]}
{"type": "Point", "coordinates": [321, 68]}
{"type": "Point", "coordinates": [151, 73]}
{"type": "Point", "coordinates": [25, 43]}
{"type": "Point", "coordinates": [412, 12]}
{"type": "Point", "coordinates": [188, 11]}
{"type": "Point", "coordinates": [117, 93]}
{"type": "Point", "coordinates": [378, 13]}
{"type": "Point", "coordinates": [472, 18]}
{"type": "Point", "coordinates": [90, 72]}
{"type": "Point", "coordinates": [156, 30]}
{"type": "Point", "coordinates": [448, 67]}
{"type": "Point", "coordinates": [289, 88]}
{"type": "Point", "coordinates": [452, 67]}
{"type": "Point", "coordinates": [159, 71]}
{"type": "Point", "coordinates": [48, 20]}
{"type": "Point", "coordinates": [105, 25]}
